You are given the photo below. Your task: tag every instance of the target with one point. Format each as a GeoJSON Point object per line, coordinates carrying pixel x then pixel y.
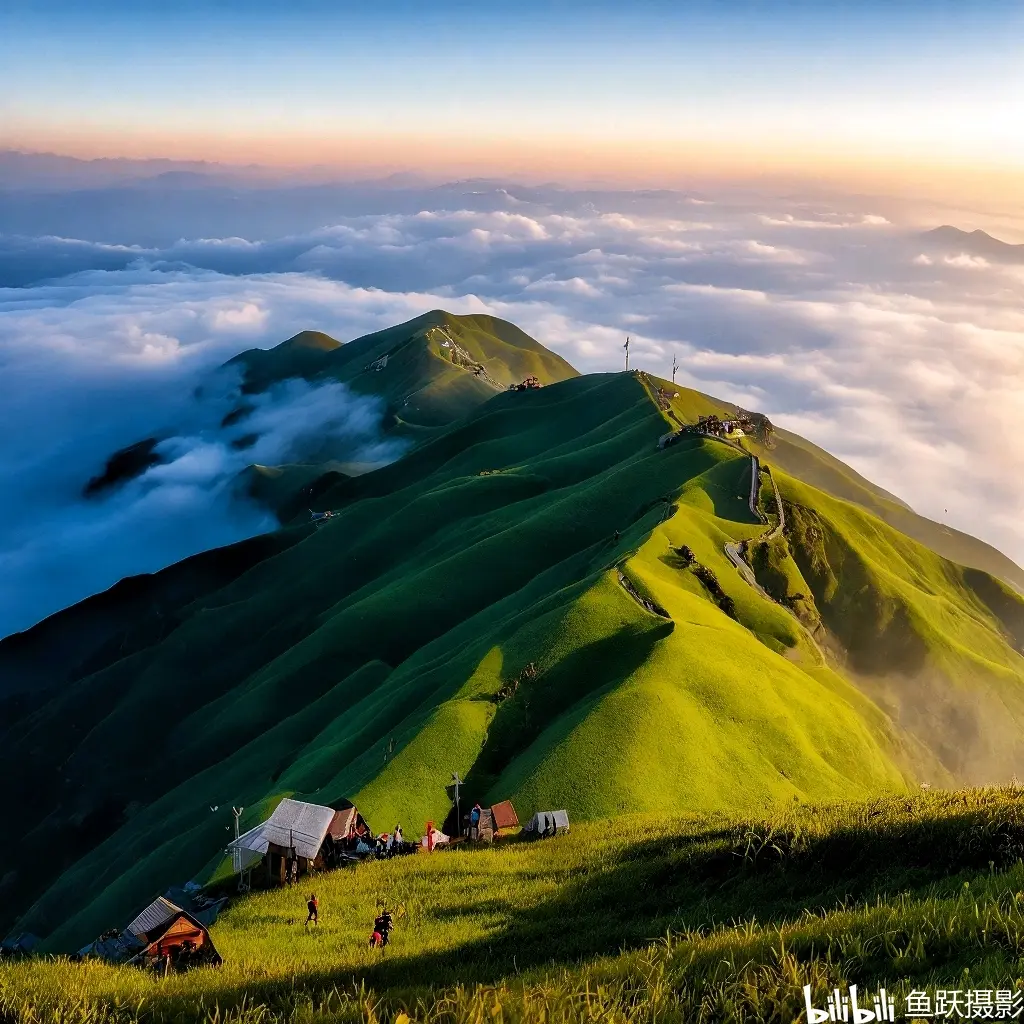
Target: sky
{"type": "Point", "coordinates": [901, 95]}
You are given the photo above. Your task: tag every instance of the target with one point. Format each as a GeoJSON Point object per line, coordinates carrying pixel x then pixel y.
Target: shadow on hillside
{"type": "Point", "coordinates": [669, 883]}
{"type": "Point", "coordinates": [536, 703]}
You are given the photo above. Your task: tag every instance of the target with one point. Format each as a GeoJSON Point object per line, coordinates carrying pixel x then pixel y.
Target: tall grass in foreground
{"type": "Point", "coordinates": [634, 921]}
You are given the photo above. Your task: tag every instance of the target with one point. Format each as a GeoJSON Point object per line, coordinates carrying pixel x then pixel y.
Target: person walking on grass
{"type": "Point", "coordinates": [313, 906]}
{"type": "Point", "coordinates": [382, 926]}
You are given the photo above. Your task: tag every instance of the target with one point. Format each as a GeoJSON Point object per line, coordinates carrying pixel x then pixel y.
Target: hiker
{"type": "Point", "coordinates": [313, 906]}
{"type": "Point", "coordinates": [616, 536]}
{"type": "Point", "coordinates": [474, 821]}
{"type": "Point", "coordinates": [382, 926]}
{"type": "Point", "coordinates": [397, 839]}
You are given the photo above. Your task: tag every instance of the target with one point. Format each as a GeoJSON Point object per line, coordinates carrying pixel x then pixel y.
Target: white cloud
{"type": "Point", "coordinates": [249, 315]}
{"type": "Point", "coordinates": [895, 360]}
{"type": "Point", "coordinates": [967, 262]}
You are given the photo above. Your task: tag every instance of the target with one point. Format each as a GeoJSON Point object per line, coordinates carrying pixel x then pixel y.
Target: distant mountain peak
{"type": "Point", "coordinates": [310, 339]}
{"type": "Point", "coordinates": [977, 242]}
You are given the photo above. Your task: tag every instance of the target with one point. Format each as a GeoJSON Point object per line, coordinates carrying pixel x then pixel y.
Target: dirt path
{"type": "Point", "coordinates": [776, 530]}
{"type": "Point", "coordinates": [734, 552]}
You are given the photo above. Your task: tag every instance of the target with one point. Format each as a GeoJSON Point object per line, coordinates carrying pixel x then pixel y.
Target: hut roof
{"type": "Point", "coordinates": [504, 815]}
{"type": "Point", "coordinates": [343, 823]}
{"type": "Point", "coordinates": [293, 823]}
{"type": "Point", "coordinates": [158, 913]}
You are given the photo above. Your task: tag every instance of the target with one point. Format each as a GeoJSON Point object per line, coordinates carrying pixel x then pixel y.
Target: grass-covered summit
{"type": "Point", "coordinates": [537, 596]}
{"type": "Point", "coordinates": [430, 370]}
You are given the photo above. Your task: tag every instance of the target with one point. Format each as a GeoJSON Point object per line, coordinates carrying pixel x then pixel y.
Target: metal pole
{"type": "Point", "coordinates": [626, 347]}
{"type": "Point", "coordinates": [236, 853]}
{"type": "Point", "coordinates": [675, 366]}
{"type": "Point", "coordinates": [458, 814]}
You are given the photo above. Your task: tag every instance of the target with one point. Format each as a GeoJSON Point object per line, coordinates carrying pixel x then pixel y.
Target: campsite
{"type": "Point", "coordinates": [299, 842]}
{"type": "Point", "coordinates": [646, 919]}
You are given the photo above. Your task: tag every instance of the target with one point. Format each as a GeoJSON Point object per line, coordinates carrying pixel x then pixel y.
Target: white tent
{"type": "Point", "coordinates": [293, 823]}
{"type": "Point", "coordinates": [438, 837]}
{"type": "Point", "coordinates": [547, 823]}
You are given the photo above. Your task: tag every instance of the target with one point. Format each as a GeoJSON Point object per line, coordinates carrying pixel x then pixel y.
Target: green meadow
{"type": "Point", "coordinates": [640, 918]}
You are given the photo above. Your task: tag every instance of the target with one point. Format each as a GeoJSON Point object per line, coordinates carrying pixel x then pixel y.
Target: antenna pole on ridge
{"type": "Point", "coordinates": [626, 347]}
{"type": "Point", "coordinates": [236, 853]}
{"type": "Point", "coordinates": [456, 782]}
{"type": "Point", "coordinates": [675, 366]}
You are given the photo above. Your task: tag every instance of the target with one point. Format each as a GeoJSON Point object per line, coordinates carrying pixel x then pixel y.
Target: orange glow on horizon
{"type": "Point", "coordinates": [556, 157]}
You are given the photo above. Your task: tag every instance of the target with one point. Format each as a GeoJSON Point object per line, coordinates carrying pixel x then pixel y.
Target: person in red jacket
{"type": "Point", "coordinates": [313, 906]}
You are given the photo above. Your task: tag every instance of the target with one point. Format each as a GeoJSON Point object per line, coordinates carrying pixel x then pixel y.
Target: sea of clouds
{"type": "Point", "coordinates": [902, 357]}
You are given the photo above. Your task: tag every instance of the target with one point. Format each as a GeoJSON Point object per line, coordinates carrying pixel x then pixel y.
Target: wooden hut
{"type": "Point", "coordinates": [172, 936]}
{"type": "Point", "coordinates": [504, 815]}
{"type": "Point", "coordinates": [300, 837]}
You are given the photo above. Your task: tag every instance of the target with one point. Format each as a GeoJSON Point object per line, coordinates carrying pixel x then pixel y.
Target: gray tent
{"type": "Point", "coordinates": [547, 823]}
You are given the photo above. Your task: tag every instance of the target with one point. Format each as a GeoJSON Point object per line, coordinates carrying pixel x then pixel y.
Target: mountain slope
{"type": "Point", "coordinates": [937, 646]}
{"type": "Point", "coordinates": [400, 621]}
{"type": "Point", "coordinates": [536, 596]}
{"type": "Point", "coordinates": [805, 461]}
{"type": "Point", "coordinates": [699, 919]}
{"type": "Point", "coordinates": [425, 369]}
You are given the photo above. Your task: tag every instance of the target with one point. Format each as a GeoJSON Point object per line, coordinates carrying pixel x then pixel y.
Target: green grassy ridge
{"type": "Point", "coordinates": [421, 385]}
{"type": "Point", "coordinates": [805, 461]}
{"type": "Point", "coordinates": [91, 634]}
{"type": "Point", "coordinates": [365, 661]}
{"type": "Point", "coordinates": [264, 689]}
{"type": "Point", "coordinates": [709, 918]}
{"type": "Point", "coordinates": [918, 633]}
{"type": "Point", "coordinates": [445, 393]}
{"type": "Point", "coordinates": [223, 643]}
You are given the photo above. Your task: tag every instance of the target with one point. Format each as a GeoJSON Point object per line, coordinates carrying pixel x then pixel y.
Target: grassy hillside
{"type": "Point", "coordinates": [807, 462]}
{"type": "Point", "coordinates": [937, 646]}
{"type": "Point", "coordinates": [424, 368]}
{"type": "Point", "coordinates": [73, 642]}
{"type": "Point", "coordinates": [366, 661]}
{"type": "Point", "coordinates": [704, 919]}
{"type": "Point", "coordinates": [536, 596]}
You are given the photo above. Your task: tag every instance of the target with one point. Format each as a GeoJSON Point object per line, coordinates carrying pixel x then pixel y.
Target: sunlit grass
{"type": "Point", "coordinates": [635, 920]}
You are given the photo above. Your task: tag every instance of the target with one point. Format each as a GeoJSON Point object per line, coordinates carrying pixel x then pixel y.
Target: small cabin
{"type": "Point", "coordinates": [172, 935]}
{"type": "Point", "coordinates": [493, 819]}
{"type": "Point", "coordinates": [300, 837]}
{"type": "Point", "coordinates": [161, 935]}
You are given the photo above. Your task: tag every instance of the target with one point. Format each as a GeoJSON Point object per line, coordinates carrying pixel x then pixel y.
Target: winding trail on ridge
{"type": "Point", "coordinates": [734, 551]}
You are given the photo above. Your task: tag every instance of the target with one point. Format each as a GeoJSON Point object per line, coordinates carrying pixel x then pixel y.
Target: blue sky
{"type": "Point", "coordinates": [785, 83]}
